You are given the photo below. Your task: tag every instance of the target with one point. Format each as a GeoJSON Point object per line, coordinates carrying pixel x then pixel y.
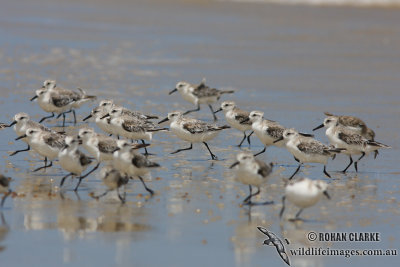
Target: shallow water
{"type": "Point", "coordinates": [292, 62]}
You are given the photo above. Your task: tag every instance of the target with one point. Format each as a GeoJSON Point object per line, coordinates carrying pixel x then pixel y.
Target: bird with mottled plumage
{"type": "Point", "coordinates": [74, 161]}
{"type": "Point", "coordinates": [199, 94]}
{"type": "Point", "coordinates": [46, 144]}
{"type": "Point", "coordinates": [237, 118]}
{"type": "Point", "coordinates": [353, 142]}
{"type": "Point", "coordinates": [267, 131]}
{"type": "Point", "coordinates": [108, 105]}
{"type": "Point", "coordinates": [252, 172]}
{"type": "Point", "coordinates": [305, 149]}
{"type": "Point", "coordinates": [192, 130]}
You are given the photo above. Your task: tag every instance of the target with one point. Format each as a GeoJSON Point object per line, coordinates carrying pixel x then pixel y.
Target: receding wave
{"type": "Point", "coordinates": [366, 3]}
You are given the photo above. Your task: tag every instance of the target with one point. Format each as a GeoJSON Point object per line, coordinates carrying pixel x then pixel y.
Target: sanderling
{"type": "Point", "coordinates": [354, 124]}
{"type": "Point", "coordinates": [46, 144]}
{"type": "Point", "coordinates": [354, 143]}
{"type": "Point", "coordinates": [99, 146]}
{"type": "Point", "coordinates": [131, 127]}
{"type": "Point", "coordinates": [108, 105]}
{"type": "Point", "coordinates": [199, 94]}
{"type": "Point", "coordinates": [252, 172]}
{"type": "Point", "coordinates": [74, 161]}
{"type": "Point", "coordinates": [53, 102]}
{"type": "Point", "coordinates": [21, 123]}
{"type": "Point", "coordinates": [4, 188]}
{"type": "Point", "coordinates": [237, 118]}
{"type": "Point", "coordinates": [132, 163]}
{"type": "Point", "coordinates": [79, 98]}
{"type": "Point", "coordinates": [113, 179]}
{"type": "Point", "coordinates": [303, 193]}
{"type": "Point", "coordinates": [104, 123]}
{"type": "Point", "coordinates": [306, 149]}
{"type": "Point", "coordinates": [266, 130]}
{"type": "Point", "coordinates": [192, 130]}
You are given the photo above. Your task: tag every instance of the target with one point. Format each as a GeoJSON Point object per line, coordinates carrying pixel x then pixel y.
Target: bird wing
{"type": "Point", "coordinates": [313, 147]}
{"type": "Point", "coordinates": [140, 161]}
{"type": "Point", "coordinates": [54, 140]}
{"type": "Point", "coordinates": [275, 131]}
{"type": "Point", "coordinates": [264, 169]}
{"type": "Point", "coordinates": [107, 146]}
{"type": "Point", "coordinates": [61, 100]}
{"type": "Point", "coordinates": [352, 138]}
{"type": "Point", "coordinates": [83, 159]}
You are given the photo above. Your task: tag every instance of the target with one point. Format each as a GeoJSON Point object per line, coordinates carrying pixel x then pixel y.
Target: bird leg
{"type": "Point", "coordinates": [297, 170]}
{"type": "Point", "coordinates": [212, 112]}
{"type": "Point", "coordinates": [183, 149]}
{"type": "Point", "coordinates": [248, 137]}
{"type": "Point", "coordinates": [326, 173]}
{"type": "Point", "coordinates": [147, 189]}
{"type": "Point", "coordinates": [355, 163]}
{"type": "Point", "coordinates": [213, 157]}
{"type": "Point", "coordinates": [192, 110]}
{"type": "Point", "coordinates": [48, 117]}
{"type": "Point", "coordinates": [22, 150]}
{"type": "Point", "coordinates": [351, 161]}
{"type": "Point", "coordinates": [262, 151]}
{"type": "Point", "coordinates": [45, 165]}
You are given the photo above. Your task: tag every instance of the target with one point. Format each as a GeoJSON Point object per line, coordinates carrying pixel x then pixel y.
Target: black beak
{"type": "Point", "coordinates": [105, 116]}
{"type": "Point", "coordinates": [13, 123]}
{"type": "Point", "coordinates": [116, 149]}
{"type": "Point", "coordinates": [279, 139]}
{"type": "Point", "coordinates": [88, 117]}
{"type": "Point", "coordinates": [306, 135]}
{"type": "Point", "coordinates": [163, 120]}
{"type": "Point", "coordinates": [80, 142]}
{"type": "Point", "coordinates": [33, 98]}
{"type": "Point", "coordinates": [20, 137]}
{"type": "Point", "coordinates": [327, 195]}
{"type": "Point", "coordinates": [218, 110]}
{"type": "Point", "coordinates": [234, 164]}
{"type": "Point", "coordinates": [318, 127]}
{"type": "Point", "coordinates": [173, 91]}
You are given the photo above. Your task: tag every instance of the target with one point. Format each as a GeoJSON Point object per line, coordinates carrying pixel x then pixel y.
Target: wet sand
{"type": "Point", "coordinates": [292, 62]}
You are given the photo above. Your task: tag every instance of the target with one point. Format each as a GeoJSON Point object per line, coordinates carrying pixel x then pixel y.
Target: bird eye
{"type": "Point", "coordinates": [328, 121]}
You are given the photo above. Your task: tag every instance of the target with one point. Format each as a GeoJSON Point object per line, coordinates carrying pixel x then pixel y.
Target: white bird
{"type": "Point", "coordinates": [53, 102]}
{"type": "Point", "coordinates": [46, 144]}
{"type": "Point", "coordinates": [113, 179]}
{"type": "Point", "coordinates": [102, 122]}
{"type": "Point", "coordinates": [252, 172]}
{"type": "Point", "coordinates": [192, 130]}
{"type": "Point", "coordinates": [306, 149]}
{"type": "Point", "coordinates": [354, 124]}
{"type": "Point", "coordinates": [133, 164]}
{"type": "Point", "coordinates": [199, 94]}
{"type": "Point", "coordinates": [79, 98]}
{"type": "Point", "coordinates": [21, 123]}
{"type": "Point", "coordinates": [237, 118]}
{"type": "Point", "coordinates": [99, 146]}
{"type": "Point", "coordinates": [131, 127]}
{"type": "Point", "coordinates": [354, 143]}
{"type": "Point", "coordinates": [108, 105]}
{"type": "Point", "coordinates": [4, 188]}
{"type": "Point", "coordinates": [74, 161]}
{"type": "Point", "coordinates": [304, 193]}
{"type": "Point", "coordinates": [266, 130]}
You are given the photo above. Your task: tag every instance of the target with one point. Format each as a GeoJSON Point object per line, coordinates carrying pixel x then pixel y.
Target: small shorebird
{"type": "Point", "coordinates": [266, 130]}
{"type": "Point", "coordinates": [354, 143]}
{"type": "Point", "coordinates": [21, 123]}
{"type": "Point", "coordinates": [79, 98]}
{"type": "Point", "coordinates": [133, 164]}
{"type": "Point", "coordinates": [113, 179]}
{"type": "Point", "coordinates": [303, 193]}
{"type": "Point", "coordinates": [74, 161]}
{"type": "Point", "coordinates": [199, 94]}
{"type": "Point", "coordinates": [192, 130]}
{"type": "Point", "coordinates": [353, 124]}
{"type": "Point", "coordinates": [237, 118]}
{"type": "Point", "coordinates": [252, 172]}
{"type": "Point", "coordinates": [306, 149]}
{"type": "Point", "coordinates": [101, 147]}
{"type": "Point", "coordinates": [131, 127]}
{"type": "Point", "coordinates": [108, 105]}
{"type": "Point", "coordinates": [4, 188]}
{"type": "Point", "coordinates": [46, 144]}
{"type": "Point", "coordinates": [103, 123]}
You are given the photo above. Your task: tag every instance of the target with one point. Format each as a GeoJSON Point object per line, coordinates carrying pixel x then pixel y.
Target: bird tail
{"type": "Point", "coordinates": [224, 127]}
{"type": "Point", "coordinates": [336, 150]}
{"type": "Point", "coordinates": [84, 95]}
{"type": "Point", "coordinates": [227, 92]}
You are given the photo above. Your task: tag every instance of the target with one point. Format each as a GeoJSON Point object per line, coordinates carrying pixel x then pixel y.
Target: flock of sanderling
{"type": "Point", "coordinates": [348, 135]}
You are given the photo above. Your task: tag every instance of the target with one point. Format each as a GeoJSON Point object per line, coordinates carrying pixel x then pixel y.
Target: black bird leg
{"type": "Point", "coordinates": [212, 112]}
{"type": "Point", "coordinates": [297, 170]}
{"type": "Point", "coordinates": [351, 161]}
{"type": "Point", "coordinates": [248, 137]}
{"type": "Point", "coordinates": [241, 142]}
{"type": "Point", "coordinates": [213, 157]}
{"type": "Point", "coordinates": [192, 110]}
{"type": "Point", "coordinates": [45, 165]}
{"type": "Point", "coordinates": [326, 173]}
{"type": "Point", "coordinates": [355, 163]}
{"type": "Point", "coordinates": [145, 186]}
{"type": "Point", "coordinates": [48, 117]}
{"type": "Point", "coordinates": [183, 149]}
{"type": "Point", "coordinates": [262, 151]}
{"type": "Point", "coordinates": [22, 150]}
